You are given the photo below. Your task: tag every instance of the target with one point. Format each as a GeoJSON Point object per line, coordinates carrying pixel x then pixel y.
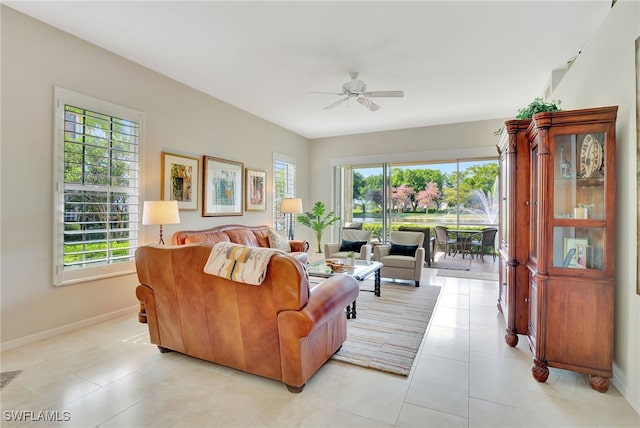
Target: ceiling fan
{"type": "Point", "coordinates": [356, 88]}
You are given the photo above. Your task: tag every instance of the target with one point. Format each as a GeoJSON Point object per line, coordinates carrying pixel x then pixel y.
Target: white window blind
{"type": "Point", "coordinates": [97, 188]}
{"type": "Point", "coordinates": [284, 185]}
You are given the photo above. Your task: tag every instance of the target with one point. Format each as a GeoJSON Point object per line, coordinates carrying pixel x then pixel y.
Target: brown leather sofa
{"type": "Point", "coordinates": [280, 329]}
{"type": "Point", "coordinates": [251, 236]}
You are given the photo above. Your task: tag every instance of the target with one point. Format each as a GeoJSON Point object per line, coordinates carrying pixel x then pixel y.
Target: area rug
{"type": "Point", "coordinates": [389, 329]}
{"type": "Point", "coordinates": [457, 263]}
{"type": "Point", "coordinates": [7, 377]}
{"type": "Point", "coordinates": [487, 276]}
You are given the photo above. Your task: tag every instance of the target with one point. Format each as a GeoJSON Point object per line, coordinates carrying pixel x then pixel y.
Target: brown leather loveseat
{"type": "Point", "coordinates": [279, 329]}
{"type": "Point", "coordinates": [251, 236]}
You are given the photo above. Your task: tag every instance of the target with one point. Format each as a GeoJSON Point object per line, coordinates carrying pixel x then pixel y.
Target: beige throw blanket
{"type": "Point", "coordinates": [239, 263]}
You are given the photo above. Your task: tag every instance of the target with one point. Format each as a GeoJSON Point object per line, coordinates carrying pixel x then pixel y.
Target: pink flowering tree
{"type": "Point", "coordinates": [428, 197]}
{"type": "Point", "coordinates": [401, 197]}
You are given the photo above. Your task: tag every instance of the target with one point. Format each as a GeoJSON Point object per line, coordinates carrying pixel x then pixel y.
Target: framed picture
{"type": "Point", "coordinates": [180, 177]}
{"type": "Point", "coordinates": [256, 193]}
{"type": "Point", "coordinates": [577, 252]}
{"type": "Point", "coordinates": [222, 187]}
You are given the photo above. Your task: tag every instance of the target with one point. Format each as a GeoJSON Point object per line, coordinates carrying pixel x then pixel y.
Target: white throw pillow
{"type": "Point", "coordinates": [278, 241]}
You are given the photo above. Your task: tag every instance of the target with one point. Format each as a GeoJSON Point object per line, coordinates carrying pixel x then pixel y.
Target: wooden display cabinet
{"type": "Point", "coordinates": [513, 294]}
{"type": "Point", "coordinates": [572, 246]}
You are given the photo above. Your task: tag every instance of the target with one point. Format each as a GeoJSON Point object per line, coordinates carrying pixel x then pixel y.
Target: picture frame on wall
{"type": "Point", "coordinates": [256, 190]}
{"type": "Point", "coordinates": [222, 190]}
{"type": "Point", "coordinates": [180, 179]}
{"type": "Point", "coordinates": [580, 252]}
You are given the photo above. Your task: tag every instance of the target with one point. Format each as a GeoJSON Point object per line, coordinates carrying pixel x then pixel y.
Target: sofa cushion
{"type": "Point", "coordinates": [243, 237]}
{"type": "Point", "coordinates": [351, 245]}
{"type": "Point", "coordinates": [207, 237]}
{"type": "Point", "coordinates": [262, 235]}
{"type": "Point", "coordinates": [403, 262]}
{"type": "Point", "coordinates": [278, 242]}
{"type": "Point", "coordinates": [402, 250]}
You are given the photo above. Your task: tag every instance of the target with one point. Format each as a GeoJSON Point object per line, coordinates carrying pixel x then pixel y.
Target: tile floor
{"type": "Point", "coordinates": [108, 375]}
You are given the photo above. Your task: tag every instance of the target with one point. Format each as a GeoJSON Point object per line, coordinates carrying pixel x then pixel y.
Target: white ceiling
{"type": "Point", "coordinates": [456, 61]}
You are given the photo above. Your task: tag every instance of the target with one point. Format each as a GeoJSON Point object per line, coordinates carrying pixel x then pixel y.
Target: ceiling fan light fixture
{"type": "Point", "coordinates": [356, 88]}
{"type": "Point", "coordinates": [368, 103]}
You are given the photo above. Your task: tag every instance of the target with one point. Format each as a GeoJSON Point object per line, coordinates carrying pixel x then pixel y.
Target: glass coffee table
{"type": "Point", "coordinates": [361, 270]}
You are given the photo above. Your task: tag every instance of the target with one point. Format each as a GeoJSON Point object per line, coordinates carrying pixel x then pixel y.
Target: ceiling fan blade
{"type": "Point", "coordinates": [328, 93]}
{"type": "Point", "coordinates": [332, 105]}
{"type": "Point", "coordinates": [368, 103]}
{"type": "Point", "coordinates": [384, 94]}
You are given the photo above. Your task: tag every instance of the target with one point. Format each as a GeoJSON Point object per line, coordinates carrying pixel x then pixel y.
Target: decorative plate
{"type": "Point", "coordinates": [591, 156]}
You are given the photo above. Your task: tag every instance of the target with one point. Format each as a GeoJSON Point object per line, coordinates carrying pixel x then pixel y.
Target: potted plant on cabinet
{"type": "Point", "coordinates": [538, 105]}
{"type": "Point", "coordinates": [317, 220]}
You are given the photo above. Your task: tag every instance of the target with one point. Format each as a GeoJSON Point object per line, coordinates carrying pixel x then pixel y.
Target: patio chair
{"type": "Point", "coordinates": [445, 242]}
{"type": "Point", "coordinates": [481, 241]}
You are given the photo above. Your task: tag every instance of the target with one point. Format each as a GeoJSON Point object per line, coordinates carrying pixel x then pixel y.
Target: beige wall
{"type": "Point", "coordinates": [35, 57]}
{"type": "Point", "coordinates": [604, 74]}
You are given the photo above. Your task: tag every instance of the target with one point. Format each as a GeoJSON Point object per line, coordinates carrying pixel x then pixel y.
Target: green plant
{"type": "Point", "coordinates": [538, 105]}
{"type": "Point", "coordinates": [317, 220]}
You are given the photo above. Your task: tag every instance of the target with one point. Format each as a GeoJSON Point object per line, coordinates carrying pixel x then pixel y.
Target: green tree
{"type": "Point", "coordinates": [373, 190]}
{"type": "Point", "coordinates": [480, 177]}
{"type": "Point", "coordinates": [359, 190]}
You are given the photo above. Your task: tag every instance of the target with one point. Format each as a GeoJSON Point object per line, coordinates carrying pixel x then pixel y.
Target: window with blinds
{"type": "Point", "coordinates": [284, 185]}
{"type": "Point", "coordinates": [98, 188]}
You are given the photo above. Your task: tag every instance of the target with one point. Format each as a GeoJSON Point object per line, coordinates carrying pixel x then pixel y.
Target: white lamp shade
{"type": "Point", "coordinates": [291, 206]}
{"type": "Point", "coordinates": [160, 212]}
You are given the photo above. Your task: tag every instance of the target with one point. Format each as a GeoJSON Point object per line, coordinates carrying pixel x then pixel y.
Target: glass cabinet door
{"type": "Point", "coordinates": [533, 203]}
{"type": "Point", "coordinates": [579, 201]}
{"type": "Point", "coordinates": [578, 171]}
{"type": "Point", "coordinates": [505, 197]}
{"type": "Point", "coordinates": [578, 247]}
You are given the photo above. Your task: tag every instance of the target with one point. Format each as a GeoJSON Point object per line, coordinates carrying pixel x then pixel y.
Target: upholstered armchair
{"type": "Point", "coordinates": [353, 240]}
{"type": "Point", "coordinates": [402, 257]}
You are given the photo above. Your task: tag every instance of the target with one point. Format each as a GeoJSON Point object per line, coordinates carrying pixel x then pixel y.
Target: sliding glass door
{"type": "Point", "coordinates": [461, 193]}
{"type": "Point", "coordinates": [363, 196]}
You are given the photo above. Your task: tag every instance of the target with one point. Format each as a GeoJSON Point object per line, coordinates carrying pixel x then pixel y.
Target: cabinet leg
{"type": "Point", "coordinates": [511, 338]}
{"type": "Point", "coordinates": [163, 350]}
{"type": "Point", "coordinates": [599, 383]}
{"type": "Point", "coordinates": [539, 370]}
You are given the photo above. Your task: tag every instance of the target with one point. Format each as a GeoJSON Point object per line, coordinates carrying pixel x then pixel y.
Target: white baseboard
{"type": "Point", "coordinates": [619, 381]}
{"type": "Point", "coordinates": [67, 328]}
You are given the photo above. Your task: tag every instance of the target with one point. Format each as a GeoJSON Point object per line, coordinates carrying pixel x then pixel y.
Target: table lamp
{"type": "Point", "coordinates": [160, 212]}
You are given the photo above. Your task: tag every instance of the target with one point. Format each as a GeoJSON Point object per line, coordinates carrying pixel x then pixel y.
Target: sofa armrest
{"type": "Point", "coordinates": [309, 336]}
{"type": "Point", "coordinates": [330, 249]}
{"type": "Point", "coordinates": [148, 302]}
{"type": "Point", "coordinates": [299, 246]}
{"type": "Point", "coordinates": [419, 260]}
{"type": "Point", "coordinates": [326, 300]}
{"type": "Point", "coordinates": [365, 252]}
{"type": "Point", "coordinates": [379, 251]}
